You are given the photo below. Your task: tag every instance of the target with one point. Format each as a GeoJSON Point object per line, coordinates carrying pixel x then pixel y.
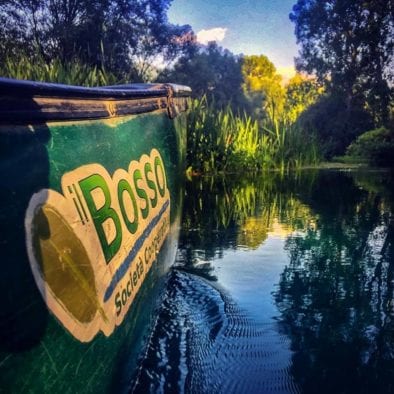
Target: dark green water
{"type": "Point", "coordinates": [281, 285]}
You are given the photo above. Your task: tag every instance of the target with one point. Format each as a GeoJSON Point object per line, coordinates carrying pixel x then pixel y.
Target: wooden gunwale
{"type": "Point", "coordinates": [31, 102]}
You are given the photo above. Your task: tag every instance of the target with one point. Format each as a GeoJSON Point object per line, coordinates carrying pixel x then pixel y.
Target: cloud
{"type": "Point", "coordinates": [216, 34]}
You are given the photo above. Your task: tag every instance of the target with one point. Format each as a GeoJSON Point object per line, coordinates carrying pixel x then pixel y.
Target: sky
{"type": "Point", "coordinates": [250, 27]}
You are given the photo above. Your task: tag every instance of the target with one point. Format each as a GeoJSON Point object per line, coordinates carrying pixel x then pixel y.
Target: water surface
{"type": "Point", "coordinates": [282, 284]}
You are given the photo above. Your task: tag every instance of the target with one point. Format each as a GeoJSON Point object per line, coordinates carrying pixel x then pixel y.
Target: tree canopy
{"type": "Point", "coordinates": [349, 45]}
{"type": "Point", "coordinates": [263, 87]}
{"type": "Point", "coordinates": [301, 93]}
{"type": "Point", "coordinates": [211, 71]}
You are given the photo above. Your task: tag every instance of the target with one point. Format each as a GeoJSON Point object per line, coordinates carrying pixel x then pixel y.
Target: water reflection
{"type": "Point", "coordinates": [336, 294]}
{"type": "Point", "coordinates": [281, 283]}
{"type": "Point", "coordinates": [230, 213]}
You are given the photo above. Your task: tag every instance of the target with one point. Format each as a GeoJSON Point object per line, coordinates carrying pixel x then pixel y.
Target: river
{"type": "Point", "coordinates": [282, 284]}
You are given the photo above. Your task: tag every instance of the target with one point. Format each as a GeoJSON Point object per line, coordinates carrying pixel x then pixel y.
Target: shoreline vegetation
{"type": "Point", "coordinates": [243, 117]}
{"type": "Point", "coordinates": [220, 140]}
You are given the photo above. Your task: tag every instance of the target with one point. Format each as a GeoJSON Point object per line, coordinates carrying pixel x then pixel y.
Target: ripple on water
{"type": "Point", "coordinates": [204, 343]}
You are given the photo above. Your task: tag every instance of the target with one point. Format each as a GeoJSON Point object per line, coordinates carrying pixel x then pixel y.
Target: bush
{"type": "Point", "coordinates": [336, 123]}
{"type": "Point", "coordinates": [376, 146]}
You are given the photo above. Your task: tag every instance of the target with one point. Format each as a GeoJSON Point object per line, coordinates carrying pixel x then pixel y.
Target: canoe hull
{"type": "Point", "coordinates": [90, 216]}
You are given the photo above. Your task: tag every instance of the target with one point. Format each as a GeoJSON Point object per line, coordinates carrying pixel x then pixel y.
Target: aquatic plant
{"type": "Point", "coordinates": [222, 140]}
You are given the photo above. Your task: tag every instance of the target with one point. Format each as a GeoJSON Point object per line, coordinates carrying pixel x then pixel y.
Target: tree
{"type": "Point", "coordinates": [263, 87]}
{"type": "Point", "coordinates": [120, 35]}
{"type": "Point", "coordinates": [301, 93]}
{"type": "Point", "coordinates": [349, 46]}
{"type": "Point", "coordinates": [211, 71]}
{"type": "Point", "coordinates": [334, 123]}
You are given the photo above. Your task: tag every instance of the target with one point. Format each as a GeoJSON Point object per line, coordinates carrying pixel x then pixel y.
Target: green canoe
{"type": "Point", "coordinates": [90, 206]}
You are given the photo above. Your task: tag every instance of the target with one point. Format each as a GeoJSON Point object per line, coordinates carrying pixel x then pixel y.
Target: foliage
{"type": "Point", "coordinates": [262, 85]}
{"type": "Point", "coordinates": [301, 93]}
{"type": "Point", "coordinates": [335, 124]}
{"type": "Point", "coordinates": [71, 73]}
{"type": "Point", "coordinates": [117, 35]}
{"type": "Point", "coordinates": [221, 140]}
{"type": "Point", "coordinates": [211, 71]}
{"type": "Point", "coordinates": [211, 135]}
{"type": "Point", "coordinates": [349, 46]}
{"type": "Point", "coordinates": [273, 103]}
{"type": "Point", "coordinates": [376, 146]}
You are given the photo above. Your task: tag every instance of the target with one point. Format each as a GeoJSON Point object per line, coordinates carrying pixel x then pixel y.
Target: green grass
{"type": "Point", "coordinates": [221, 141]}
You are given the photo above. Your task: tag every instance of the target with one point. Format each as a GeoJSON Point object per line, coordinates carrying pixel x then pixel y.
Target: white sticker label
{"type": "Point", "coordinates": [91, 247]}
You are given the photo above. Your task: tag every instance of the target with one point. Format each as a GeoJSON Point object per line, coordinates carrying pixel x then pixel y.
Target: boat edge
{"type": "Point", "coordinates": [34, 102]}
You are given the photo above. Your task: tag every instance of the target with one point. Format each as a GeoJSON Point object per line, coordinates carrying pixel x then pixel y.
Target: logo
{"type": "Point", "coordinates": [91, 246]}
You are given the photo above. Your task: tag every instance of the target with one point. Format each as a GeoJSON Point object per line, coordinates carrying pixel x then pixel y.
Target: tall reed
{"type": "Point", "coordinates": [221, 140]}
{"type": "Point", "coordinates": [71, 73]}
